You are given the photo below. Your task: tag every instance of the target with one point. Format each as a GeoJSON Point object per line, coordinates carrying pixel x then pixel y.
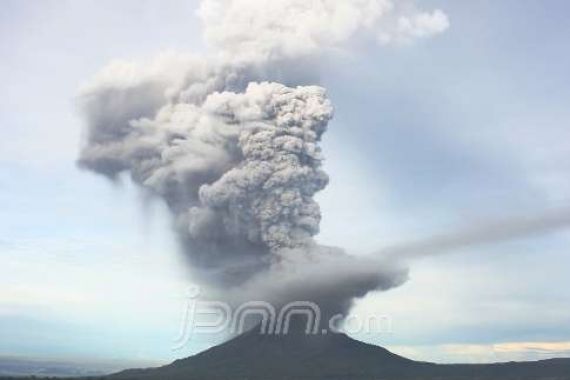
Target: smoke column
{"type": "Point", "coordinates": [230, 141]}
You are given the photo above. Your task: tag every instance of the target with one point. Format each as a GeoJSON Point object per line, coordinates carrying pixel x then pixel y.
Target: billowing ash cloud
{"type": "Point", "coordinates": [231, 142]}
{"type": "Point", "coordinates": [267, 196]}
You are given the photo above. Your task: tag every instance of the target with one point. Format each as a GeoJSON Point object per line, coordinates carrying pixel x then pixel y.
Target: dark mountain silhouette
{"type": "Point", "coordinates": [297, 356]}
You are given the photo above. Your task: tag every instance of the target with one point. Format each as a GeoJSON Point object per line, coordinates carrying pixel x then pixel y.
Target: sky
{"type": "Point", "coordinates": [427, 137]}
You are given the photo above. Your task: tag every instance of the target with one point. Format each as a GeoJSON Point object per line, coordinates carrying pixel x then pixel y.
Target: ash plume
{"type": "Point", "coordinates": [230, 142]}
{"type": "Point", "coordinates": [487, 232]}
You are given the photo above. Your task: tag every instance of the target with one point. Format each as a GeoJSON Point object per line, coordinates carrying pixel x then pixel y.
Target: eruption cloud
{"type": "Point", "coordinates": [488, 232]}
{"type": "Point", "coordinates": [230, 142]}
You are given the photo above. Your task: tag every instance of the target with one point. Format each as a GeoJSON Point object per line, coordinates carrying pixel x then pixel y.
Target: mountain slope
{"type": "Point", "coordinates": [297, 356]}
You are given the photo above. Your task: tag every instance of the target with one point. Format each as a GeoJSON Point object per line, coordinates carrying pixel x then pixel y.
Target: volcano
{"type": "Point", "coordinates": [335, 356]}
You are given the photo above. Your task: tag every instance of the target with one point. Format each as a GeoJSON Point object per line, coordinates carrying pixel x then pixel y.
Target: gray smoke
{"type": "Point", "coordinates": [237, 170]}
{"type": "Point", "coordinates": [487, 232]}
{"type": "Point", "coordinates": [234, 153]}
{"type": "Point", "coordinates": [266, 197]}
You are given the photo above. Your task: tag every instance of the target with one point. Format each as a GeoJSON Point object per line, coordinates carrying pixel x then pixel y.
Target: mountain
{"type": "Point", "coordinates": [296, 356]}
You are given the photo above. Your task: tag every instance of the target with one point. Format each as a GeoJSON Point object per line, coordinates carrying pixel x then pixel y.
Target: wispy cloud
{"type": "Point", "coordinates": [485, 353]}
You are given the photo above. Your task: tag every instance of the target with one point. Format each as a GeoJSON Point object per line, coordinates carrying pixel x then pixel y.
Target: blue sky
{"type": "Point", "coordinates": [466, 126]}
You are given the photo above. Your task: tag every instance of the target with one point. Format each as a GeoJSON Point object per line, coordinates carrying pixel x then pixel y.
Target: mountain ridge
{"type": "Point", "coordinates": [297, 356]}
{"type": "Point", "coordinates": [335, 356]}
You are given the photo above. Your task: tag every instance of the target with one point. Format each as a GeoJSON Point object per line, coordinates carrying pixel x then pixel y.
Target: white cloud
{"type": "Point", "coordinates": [485, 353]}
{"type": "Point", "coordinates": [422, 25]}
{"type": "Point", "coordinates": [297, 27]}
